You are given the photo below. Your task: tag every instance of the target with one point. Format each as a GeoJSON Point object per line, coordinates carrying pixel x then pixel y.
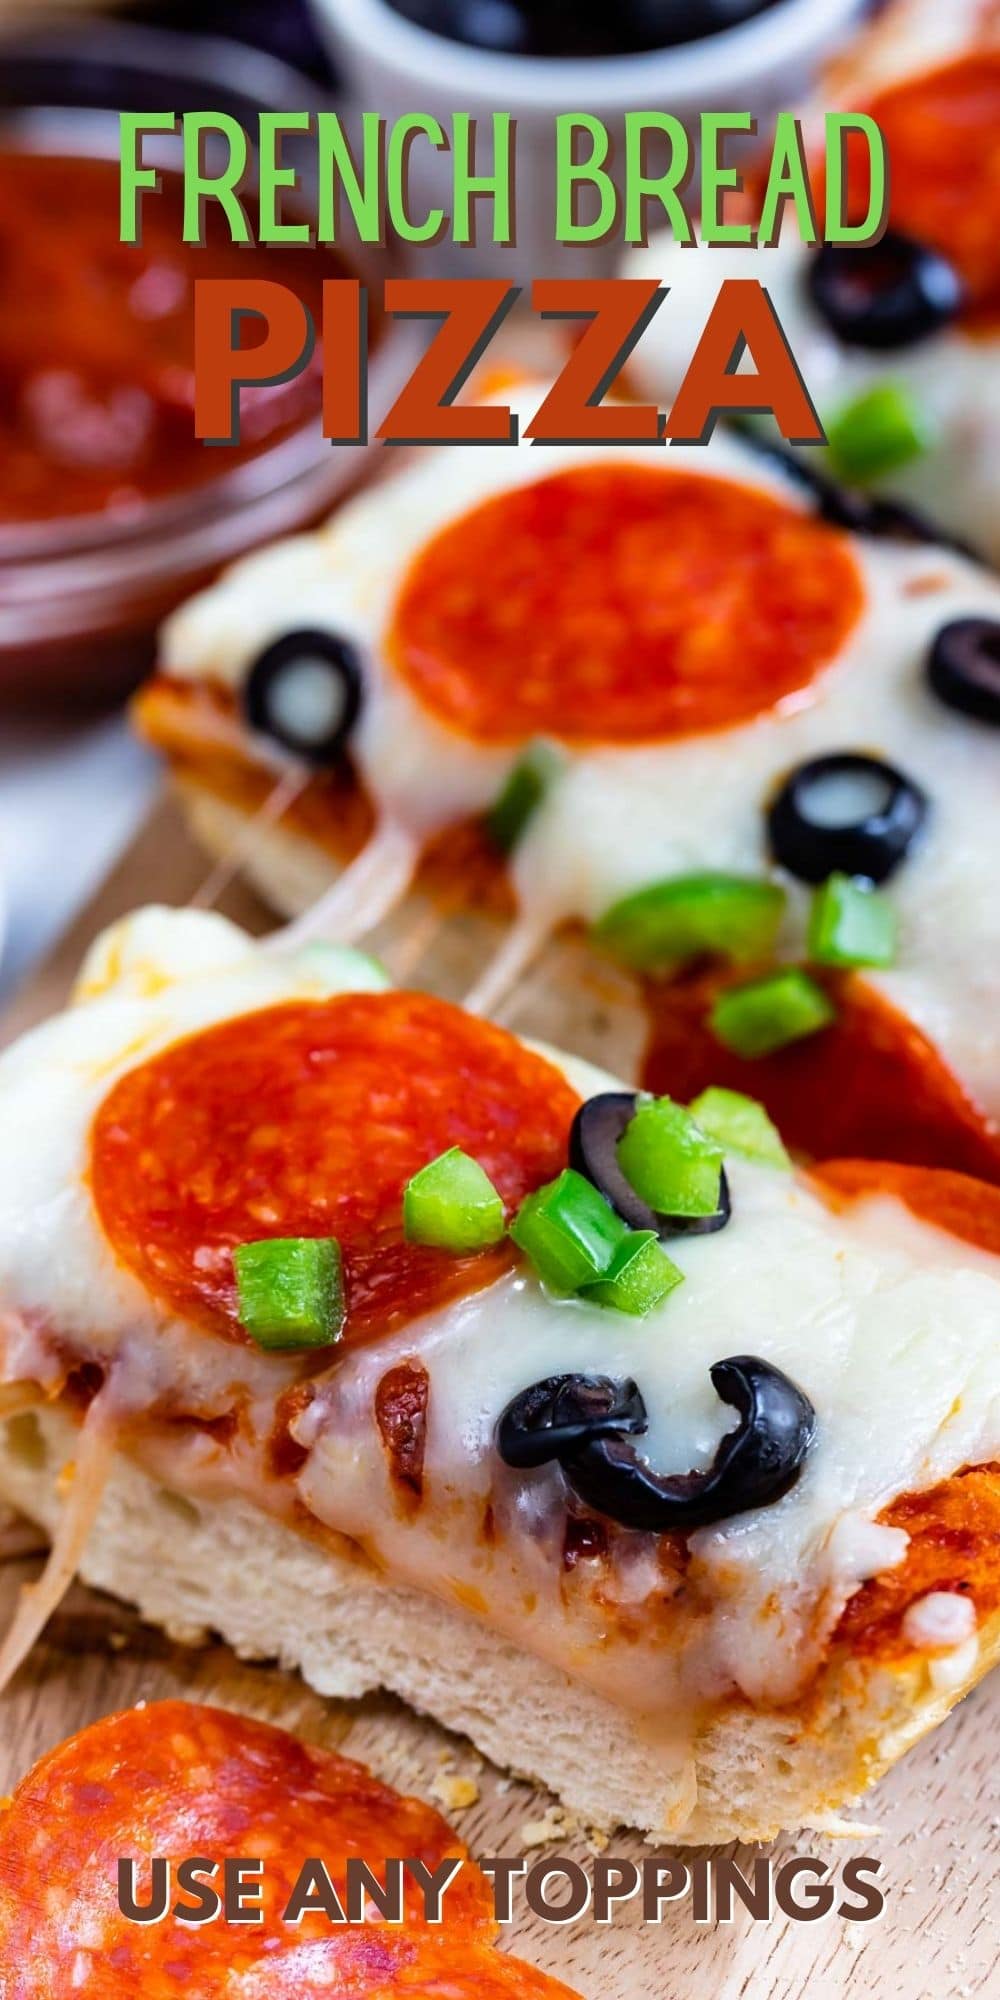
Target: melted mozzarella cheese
{"type": "Point", "coordinates": [940, 1622]}
{"type": "Point", "coordinates": [891, 1326]}
{"type": "Point", "coordinates": [622, 817]}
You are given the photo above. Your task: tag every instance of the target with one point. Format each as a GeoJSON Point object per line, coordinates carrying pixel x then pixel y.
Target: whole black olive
{"type": "Point", "coordinates": [593, 1151]}
{"type": "Point", "coordinates": [964, 667]}
{"type": "Point", "coordinates": [306, 692]}
{"type": "Point", "coordinates": [554, 1417]}
{"type": "Point", "coordinates": [869, 840]}
{"type": "Point", "coordinates": [884, 295]}
{"type": "Point", "coordinates": [754, 1466]}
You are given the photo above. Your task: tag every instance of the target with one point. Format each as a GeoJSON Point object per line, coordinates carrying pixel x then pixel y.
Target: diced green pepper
{"type": "Point", "coordinates": [523, 794]}
{"type": "Point", "coordinates": [877, 433]}
{"type": "Point", "coordinates": [740, 1125]}
{"type": "Point", "coordinates": [768, 1013]}
{"type": "Point", "coordinates": [346, 970]}
{"type": "Point", "coordinates": [669, 1161]}
{"type": "Point", "coordinates": [452, 1204]}
{"type": "Point", "coordinates": [291, 1291]}
{"type": "Point", "coordinates": [686, 915]}
{"type": "Point", "coordinates": [569, 1232]}
{"type": "Point", "coordinates": [639, 1276]}
{"type": "Point", "coordinates": [851, 924]}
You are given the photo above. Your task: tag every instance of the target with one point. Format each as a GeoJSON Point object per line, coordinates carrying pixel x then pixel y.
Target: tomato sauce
{"type": "Point", "coordinates": [942, 128]}
{"type": "Point", "coordinates": [620, 604]}
{"type": "Point", "coordinates": [954, 1532]}
{"type": "Point", "coordinates": [97, 343]}
{"type": "Point", "coordinates": [308, 1119]}
{"type": "Point", "coordinates": [871, 1085]}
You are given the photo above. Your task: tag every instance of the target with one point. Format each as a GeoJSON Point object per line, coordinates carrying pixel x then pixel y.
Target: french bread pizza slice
{"type": "Point", "coordinates": [668, 696]}
{"type": "Point", "coordinates": [347, 1325]}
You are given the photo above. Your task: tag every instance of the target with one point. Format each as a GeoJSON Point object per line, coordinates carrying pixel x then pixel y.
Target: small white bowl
{"type": "Point", "coordinates": [393, 67]}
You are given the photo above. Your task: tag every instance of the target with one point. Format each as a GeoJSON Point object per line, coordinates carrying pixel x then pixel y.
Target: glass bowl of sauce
{"type": "Point", "coordinates": [111, 510]}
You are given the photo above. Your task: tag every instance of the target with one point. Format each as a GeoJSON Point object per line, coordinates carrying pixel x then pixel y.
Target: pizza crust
{"type": "Point", "coordinates": [222, 1566]}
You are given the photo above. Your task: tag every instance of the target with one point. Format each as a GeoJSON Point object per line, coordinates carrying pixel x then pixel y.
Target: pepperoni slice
{"type": "Point", "coordinates": [308, 1119]}
{"type": "Point", "coordinates": [620, 604]}
{"type": "Point", "coordinates": [178, 1780]}
{"type": "Point", "coordinates": [872, 1085]}
{"type": "Point", "coordinates": [950, 116]}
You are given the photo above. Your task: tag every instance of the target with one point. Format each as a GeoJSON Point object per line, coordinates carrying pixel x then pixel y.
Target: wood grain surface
{"type": "Point", "coordinates": [934, 1823]}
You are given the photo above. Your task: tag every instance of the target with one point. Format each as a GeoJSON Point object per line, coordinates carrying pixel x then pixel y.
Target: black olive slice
{"type": "Point", "coordinates": [871, 514]}
{"type": "Point", "coordinates": [884, 295]}
{"type": "Point", "coordinates": [584, 1423]}
{"type": "Point", "coordinates": [964, 667]}
{"type": "Point", "coordinates": [306, 692]}
{"type": "Point", "coordinates": [556, 1416]}
{"type": "Point", "coordinates": [754, 1466]}
{"type": "Point", "coordinates": [593, 1152]}
{"type": "Point", "coordinates": [871, 842]}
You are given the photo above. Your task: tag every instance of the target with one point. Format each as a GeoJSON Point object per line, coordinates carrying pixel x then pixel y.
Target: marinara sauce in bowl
{"type": "Point", "coordinates": [111, 510]}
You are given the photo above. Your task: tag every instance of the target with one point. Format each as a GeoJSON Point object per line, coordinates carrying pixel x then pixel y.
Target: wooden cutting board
{"type": "Point", "coordinates": [934, 1822]}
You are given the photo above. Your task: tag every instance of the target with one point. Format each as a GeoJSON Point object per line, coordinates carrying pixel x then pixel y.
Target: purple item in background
{"type": "Point", "coordinates": [284, 30]}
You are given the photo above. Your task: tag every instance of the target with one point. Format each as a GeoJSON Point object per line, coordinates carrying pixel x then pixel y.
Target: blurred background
{"type": "Point", "coordinates": [107, 517]}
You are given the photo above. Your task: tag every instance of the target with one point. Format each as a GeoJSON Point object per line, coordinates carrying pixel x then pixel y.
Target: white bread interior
{"type": "Point", "coordinates": [287, 869]}
{"type": "Point", "coordinates": [223, 1567]}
